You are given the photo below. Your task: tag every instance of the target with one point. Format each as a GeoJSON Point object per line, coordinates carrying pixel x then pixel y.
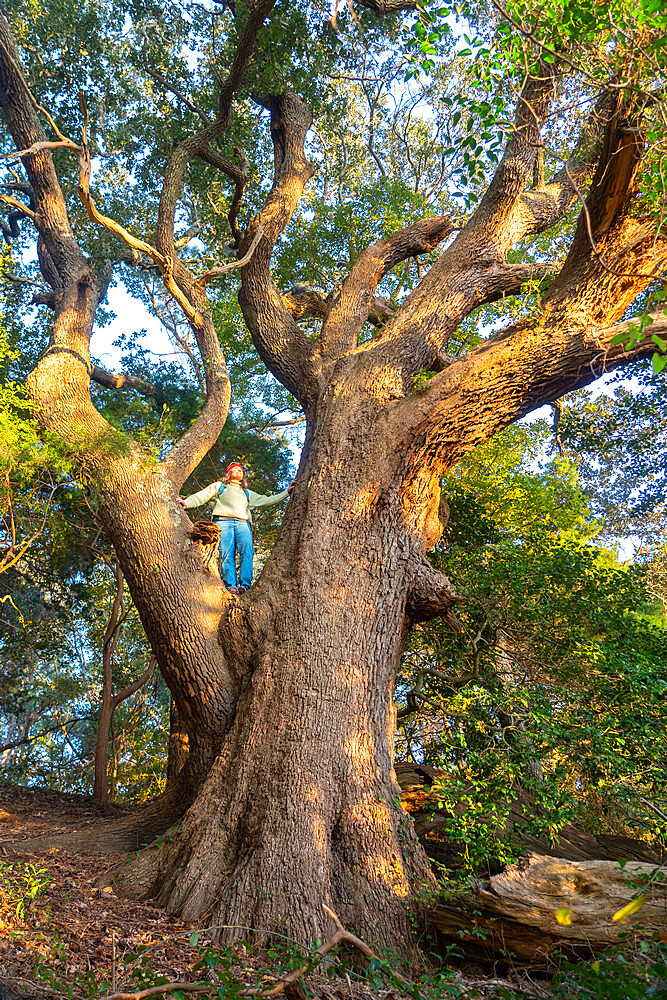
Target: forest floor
{"type": "Point", "coordinates": [60, 936]}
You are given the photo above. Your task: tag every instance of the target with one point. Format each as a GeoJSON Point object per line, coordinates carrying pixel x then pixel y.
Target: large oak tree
{"type": "Point", "coordinates": [288, 799]}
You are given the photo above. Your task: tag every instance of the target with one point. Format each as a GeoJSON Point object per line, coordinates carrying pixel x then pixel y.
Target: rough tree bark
{"type": "Point", "coordinates": [288, 798]}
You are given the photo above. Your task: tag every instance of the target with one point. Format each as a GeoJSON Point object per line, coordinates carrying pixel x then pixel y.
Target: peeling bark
{"type": "Point", "coordinates": [513, 915]}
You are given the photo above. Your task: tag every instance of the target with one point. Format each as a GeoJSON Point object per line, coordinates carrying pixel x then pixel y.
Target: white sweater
{"type": "Point", "coordinates": [232, 502]}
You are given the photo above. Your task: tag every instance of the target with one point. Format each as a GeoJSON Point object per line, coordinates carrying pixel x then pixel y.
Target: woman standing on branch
{"type": "Point", "coordinates": [233, 504]}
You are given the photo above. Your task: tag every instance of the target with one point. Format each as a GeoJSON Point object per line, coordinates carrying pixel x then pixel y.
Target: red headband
{"type": "Point", "coordinates": [234, 465]}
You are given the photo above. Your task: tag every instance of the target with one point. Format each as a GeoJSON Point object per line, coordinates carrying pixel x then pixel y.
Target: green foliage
{"type": "Point", "coordinates": [556, 683]}
{"type": "Point", "coordinates": [32, 466]}
{"type": "Point", "coordinates": [618, 444]}
{"type": "Point", "coordinates": [20, 884]}
{"type": "Point", "coordinates": [615, 975]}
{"type": "Point", "coordinates": [227, 970]}
{"type": "Point", "coordinates": [617, 47]}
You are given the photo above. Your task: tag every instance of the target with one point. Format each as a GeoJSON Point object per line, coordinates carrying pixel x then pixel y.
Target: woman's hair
{"type": "Point", "coordinates": [244, 481]}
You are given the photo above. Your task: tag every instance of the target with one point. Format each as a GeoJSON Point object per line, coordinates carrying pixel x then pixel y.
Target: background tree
{"type": "Point", "coordinates": [554, 684]}
{"type": "Point", "coordinates": [288, 797]}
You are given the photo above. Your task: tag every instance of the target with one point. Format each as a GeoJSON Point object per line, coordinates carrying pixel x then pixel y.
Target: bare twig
{"type": "Point", "coordinates": [140, 682]}
{"type": "Point", "coordinates": [43, 732]}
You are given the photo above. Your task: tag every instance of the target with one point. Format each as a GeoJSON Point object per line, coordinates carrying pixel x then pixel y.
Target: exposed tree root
{"type": "Point", "coordinates": [126, 834]}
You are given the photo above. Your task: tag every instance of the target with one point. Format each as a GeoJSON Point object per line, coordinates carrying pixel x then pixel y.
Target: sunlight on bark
{"type": "Point", "coordinates": [359, 749]}
{"type": "Point", "coordinates": [362, 503]}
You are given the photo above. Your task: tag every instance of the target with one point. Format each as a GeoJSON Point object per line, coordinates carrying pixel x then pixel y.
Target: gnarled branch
{"type": "Point", "coordinates": [351, 309]}
{"type": "Point", "coordinates": [472, 270]}
{"type": "Point", "coordinates": [545, 204]}
{"type": "Point", "coordinates": [236, 173]}
{"type": "Point", "coordinates": [109, 380]}
{"type": "Point", "coordinates": [20, 109]}
{"type": "Point", "coordinates": [280, 343]}
{"type": "Point", "coordinates": [301, 301]}
{"type": "Point", "coordinates": [383, 7]}
{"type": "Point", "coordinates": [516, 166]}
{"type": "Point", "coordinates": [217, 272]}
{"type": "Point", "coordinates": [519, 369]}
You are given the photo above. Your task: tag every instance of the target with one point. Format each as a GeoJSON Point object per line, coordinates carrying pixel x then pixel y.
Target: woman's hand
{"type": "Point", "coordinates": [291, 486]}
{"type": "Point", "coordinates": [181, 502]}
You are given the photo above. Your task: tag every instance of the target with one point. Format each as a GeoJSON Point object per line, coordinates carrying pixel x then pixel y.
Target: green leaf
{"type": "Point", "coordinates": [194, 938]}
{"type": "Point", "coordinates": [659, 362]}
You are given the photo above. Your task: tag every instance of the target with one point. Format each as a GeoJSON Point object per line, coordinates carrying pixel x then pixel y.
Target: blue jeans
{"type": "Point", "coordinates": [236, 536]}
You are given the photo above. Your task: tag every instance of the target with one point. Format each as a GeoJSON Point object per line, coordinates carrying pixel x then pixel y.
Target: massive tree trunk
{"type": "Point", "coordinates": [288, 799]}
{"type": "Point", "coordinates": [302, 806]}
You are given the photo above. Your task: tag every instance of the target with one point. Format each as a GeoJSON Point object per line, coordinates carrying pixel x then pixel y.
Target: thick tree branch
{"type": "Point", "coordinates": [472, 270]}
{"type": "Point", "coordinates": [258, 11]}
{"type": "Point", "coordinates": [238, 174]}
{"type": "Point", "coordinates": [508, 376]}
{"type": "Point", "coordinates": [20, 109]}
{"type": "Point", "coordinates": [280, 343]}
{"type": "Point", "coordinates": [545, 204]}
{"type": "Point", "coordinates": [200, 143]}
{"type": "Point", "coordinates": [302, 302]}
{"type": "Point", "coordinates": [108, 380]}
{"type": "Point", "coordinates": [351, 309]}
{"type": "Point", "coordinates": [77, 289]}
{"type": "Point", "coordinates": [612, 252]}
{"type": "Point", "coordinates": [383, 7]}
{"type": "Point", "coordinates": [381, 312]}
{"type": "Point", "coordinates": [190, 294]}
{"type": "Point", "coordinates": [516, 167]}
{"type": "Point", "coordinates": [472, 286]}
{"type": "Point", "coordinates": [191, 448]}
{"type": "Point", "coordinates": [509, 279]}
{"type": "Point", "coordinates": [217, 272]}
{"type": "Point", "coordinates": [135, 686]}
{"type": "Point", "coordinates": [180, 283]}
{"type": "Point", "coordinates": [60, 383]}
{"type": "Point", "coordinates": [10, 229]}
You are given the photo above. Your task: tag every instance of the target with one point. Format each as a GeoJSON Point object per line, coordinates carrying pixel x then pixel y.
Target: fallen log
{"type": "Point", "coordinates": [432, 824]}
{"type": "Point", "coordinates": [513, 914]}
